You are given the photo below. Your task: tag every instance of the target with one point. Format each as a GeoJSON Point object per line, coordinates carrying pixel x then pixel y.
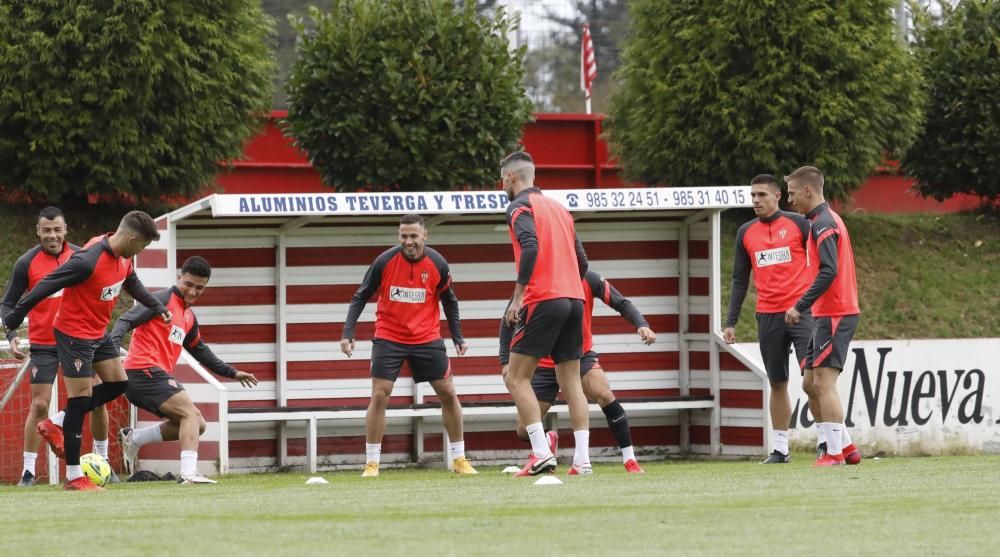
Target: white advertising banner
{"type": "Point", "coordinates": [912, 396]}
{"type": "Point", "coordinates": [623, 199]}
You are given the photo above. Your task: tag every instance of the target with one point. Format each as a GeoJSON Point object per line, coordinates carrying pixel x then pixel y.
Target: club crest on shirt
{"type": "Point", "coordinates": [78, 363]}
{"type": "Point", "coordinates": [176, 335]}
{"type": "Point", "coordinates": [776, 256]}
{"type": "Point", "coordinates": [781, 233]}
{"type": "Point", "coordinates": [407, 295]}
{"type": "Point", "coordinates": [423, 277]}
{"type": "Point", "coordinates": [109, 293]}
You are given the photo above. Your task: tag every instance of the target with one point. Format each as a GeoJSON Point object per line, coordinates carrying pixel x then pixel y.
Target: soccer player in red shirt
{"type": "Point", "coordinates": [411, 279]}
{"type": "Point", "coordinates": [595, 382]}
{"type": "Point", "coordinates": [773, 247]}
{"type": "Point", "coordinates": [833, 297]}
{"type": "Point", "coordinates": [52, 251]}
{"type": "Point", "coordinates": [546, 309]}
{"type": "Point", "coordinates": [91, 281]}
{"type": "Point", "coordinates": [150, 363]}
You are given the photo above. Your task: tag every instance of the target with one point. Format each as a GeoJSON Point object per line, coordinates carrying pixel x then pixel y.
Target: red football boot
{"type": "Point", "coordinates": [82, 483]}
{"type": "Point", "coordinates": [53, 435]}
{"type": "Point", "coordinates": [852, 455]}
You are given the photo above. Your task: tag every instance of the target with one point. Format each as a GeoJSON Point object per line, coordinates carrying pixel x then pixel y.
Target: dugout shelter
{"type": "Point", "coordinates": [286, 265]}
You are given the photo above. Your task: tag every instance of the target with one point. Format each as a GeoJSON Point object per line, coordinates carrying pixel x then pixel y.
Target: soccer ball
{"type": "Point", "coordinates": [96, 468]}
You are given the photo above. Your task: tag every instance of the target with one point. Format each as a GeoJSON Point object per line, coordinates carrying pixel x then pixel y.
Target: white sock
{"type": "Point", "coordinates": [101, 448]}
{"type": "Point", "coordinates": [581, 454]}
{"type": "Point", "coordinates": [189, 463]}
{"type": "Point", "coordinates": [146, 435]}
{"type": "Point", "coordinates": [779, 440]}
{"type": "Point", "coordinates": [627, 454]}
{"type": "Point", "coordinates": [834, 431]}
{"type": "Point", "coordinates": [820, 433]}
{"type": "Point", "coordinates": [73, 472]}
{"type": "Point", "coordinates": [29, 462]}
{"type": "Point", "coordinates": [845, 438]}
{"type": "Point", "coordinates": [58, 418]}
{"type": "Point", "coordinates": [457, 449]}
{"type": "Point", "coordinates": [539, 444]}
{"type": "Point", "coordinates": [374, 452]}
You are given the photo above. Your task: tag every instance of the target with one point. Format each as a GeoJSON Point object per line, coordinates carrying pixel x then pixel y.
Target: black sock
{"type": "Point", "coordinates": [618, 422]}
{"type": "Point", "coordinates": [76, 408]}
{"type": "Point", "coordinates": [106, 392]}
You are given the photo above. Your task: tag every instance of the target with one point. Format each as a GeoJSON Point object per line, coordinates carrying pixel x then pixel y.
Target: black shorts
{"type": "Point", "coordinates": [428, 361]}
{"type": "Point", "coordinates": [544, 381]}
{"type": "Point", "coordinates": [44, 364]}
{"type": "Point", "coordinates": [776, 340]}
{"type": "Point", "coordinates": [151, 387]}
{"type": "Point", "coordinates": [77, 355]}
{"type": "Point", "coordinates": [830, 341]}
{"type": "Point", "coordinates": [550, 328]}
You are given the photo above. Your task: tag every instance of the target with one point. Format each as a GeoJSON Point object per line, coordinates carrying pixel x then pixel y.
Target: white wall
{"type": "Point", "coordinates": [913, 396]}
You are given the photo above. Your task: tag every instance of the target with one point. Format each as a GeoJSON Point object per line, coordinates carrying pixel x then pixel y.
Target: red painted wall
{"type": "Point", "coordinates": [568, 153]}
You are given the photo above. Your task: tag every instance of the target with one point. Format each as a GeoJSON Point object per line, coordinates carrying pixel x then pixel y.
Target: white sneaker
{"type": "Point", "coordinates": [195, 479]}
{"type": "Point", "coordinates": [580, 470]}
{"type": "Point", "coordinates": [130, 451]}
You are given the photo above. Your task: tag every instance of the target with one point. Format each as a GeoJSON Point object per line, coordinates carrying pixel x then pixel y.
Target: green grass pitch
{"type": "Point", "coordinates": [896, 506]}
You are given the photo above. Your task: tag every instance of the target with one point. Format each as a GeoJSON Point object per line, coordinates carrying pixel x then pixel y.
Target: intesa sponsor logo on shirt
{"type": "Point", "coordinates": [109, 293]}
{"type": "Point", "coordinates": [176, 335]}
{"type": "Point", "coordinates": [407, 295]}
{"type": "Point", "coordinates": [775, 256]}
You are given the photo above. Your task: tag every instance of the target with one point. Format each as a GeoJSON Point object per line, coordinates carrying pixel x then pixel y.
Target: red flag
{"type": "Point", "coordinates": [588, 65]}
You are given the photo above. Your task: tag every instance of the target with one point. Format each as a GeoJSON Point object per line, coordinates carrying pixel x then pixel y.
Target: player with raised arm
{"type": "Point", "coordinates": [91, 281]}
{"type": "Point", "coordinates": [594, 380]}
{"type": "Point", "coordinates": [150, 363]}
{"type": "Point", "coordinates": [413, 282]}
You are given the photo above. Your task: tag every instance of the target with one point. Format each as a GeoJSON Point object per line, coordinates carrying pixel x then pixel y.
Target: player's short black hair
{"type": "Point", "coordinates": [142, 224]}
{"type": "Point", "coordinates": [768, 179]}
{"type": "Point", "coordinates": [197, 266]}
{"type": "Point", "coordinates": [412, 219]}
{"type": "Point", "coordinates": [50, 213]}
{"type": "Point", "coordinates": [517, 156]}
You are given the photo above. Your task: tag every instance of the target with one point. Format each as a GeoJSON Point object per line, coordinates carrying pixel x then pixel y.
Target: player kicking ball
{"type": "Point", "coordinates": [154, 350]}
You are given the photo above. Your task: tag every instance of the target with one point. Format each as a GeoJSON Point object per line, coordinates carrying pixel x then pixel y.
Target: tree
{"type": "Point", "coordinates": [132, 96]}
{"type": "Point", "coordinates": [553, 68]}
{"type": "Point", "coordinates": [716, 92]}
{"type": "Point", "coordinates": [283, 42]}
{"type": "Point", "coordinates": [958, 150]}
{"type": "Point", "coordinates": [406, 95]}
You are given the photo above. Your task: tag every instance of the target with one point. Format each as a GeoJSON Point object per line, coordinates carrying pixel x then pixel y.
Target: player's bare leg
{"type": "Point", "coordinates": [811, 390]}
{"type": "Point", "coordinates": [186, 424]}
{"type": "Point", "coordinates": [522, 432]}
{"type": "Point", "coordinates": [780, 408]}
{"type": "Point", "coordinates": [833, 414]}
{"type": "Point", "coordinates": [518, 381]}
{"type": "Point", "coordinates": [597, 388]}
{"type": "Point", "coordinates": [568, 377]}
{"type": "Point", "coordinates": [375, 424]}
{"type": "Point", "coordinates": [41, 393]}
{"type": "Point", "coordinates": [451, 415]}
